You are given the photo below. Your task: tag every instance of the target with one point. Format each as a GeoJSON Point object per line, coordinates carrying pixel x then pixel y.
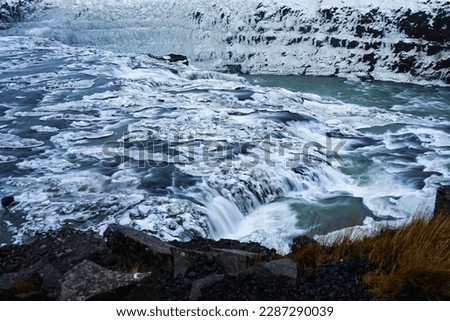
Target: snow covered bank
{"type": "Point", "coordinates": [385, 40]}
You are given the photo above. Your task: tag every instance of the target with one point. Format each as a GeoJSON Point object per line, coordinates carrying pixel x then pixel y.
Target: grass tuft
{"type": "Point", "coordinates": [413, 261]}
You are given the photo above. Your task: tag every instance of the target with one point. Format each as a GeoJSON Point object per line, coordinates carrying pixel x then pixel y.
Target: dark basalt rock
{"type": "Point", "coordinates": [333, 281]}
{"type": "Point", "coordinates": [423, 32]}
{"type": "Point", "coordinates": [270, 39]}
{"type": "Point", "coordinates": [172, 58]}
{"type": "Point", "coordinates": [32, 271]}
{"type": "Point", "coordinates": [235, 261]}
{"type": "Point", "coordinates": [198, 285]}
{"type": "Point", "coordinates": [372, 45]}
{"type": "Point", "coordinates": [177, 58]}
{"type": "Point", "coordinates": [442, 203]}
{"type": "Point", "coordinates": [404, 65]}
{"type": "Point", "coordinates": [352, 44]}
{"type": "Point", "coordinates": [62, 249]}
{"type": "Point", "coordinates": [359, 31]}
{"type": "Point", "coordinates": [369, 17]}
{"type": "Point", "coordinates": [7, 201]}
{"type": "Point", "coordinates": [205, 265]}
{"type": "Point", "coordinates": [328, 14]}
{"type": "Point", "coordinates": [11, 13]}
{"type": "Point", "coordinates": [205, 245]}
{"type": "Point", "coordinates": [233, 69]}
{"type": "Point", "coordinates": [434, 49]}
{"type": "Point", "coordinates": [89, 281]}
{"type": "Point", "coordinates": [305, 29]}
{"type": "Point", "coordinates": [285, 269]}
{"type": "Point", "coordinates": [130, 265]}
{"type": "Point", "coordinates": [198, 16]}
{"type": "Point", "coordinates": [183, 261]}
{"type": "Point", "coordinates": [344, 278]}
{"type": "Point", "coordinates": [284, 11]}
{"type": "Point", "coordinates": [371, 60]}
{"type": "Point", "coordinates": [335, 42]}
{"type": "Point", "coordinates": [301, 243]}
{"type": "Point", "coordinates": [295, 40]}
{"type": "Point", "coordinates": [442, 64]}
{"type": "Point", "coordinates": [403, 47]}
{"type": "Point", "coordinates": [421, 25]}
{"type": "Point", "coordinates": [22, 286]}
{"type": "Point", "coordinates": [136, 246]}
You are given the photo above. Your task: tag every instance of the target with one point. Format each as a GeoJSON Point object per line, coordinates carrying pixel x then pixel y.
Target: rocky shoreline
{"type": "Point", "coordinates": [126, 264]}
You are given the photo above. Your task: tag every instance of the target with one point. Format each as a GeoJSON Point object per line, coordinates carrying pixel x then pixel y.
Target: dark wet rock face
{"type": "Point", "coordinates": [334, 281]}
{"type": "Point", "coordinates": [151, 252]}
{"type": "Point", "coordinates": [89, 281]}
{"type": "Point", "coordinates": [130, 265]}
{"type": "Point", "coordinates": [302, 242]}
{"type": "Point", "coordinates": [33, 271]}
{"type": "Point", "coordinates": [11, 12]}
{"type": "Point", "coordinates": [174, 58]}
{"type": "Point", "coordinates": [177, 58]}
{"type": "Point", "coordinates": [442, 204]}
{"type": "Point", "coordinates": [235, 261]}
{"type": "Point", "coordinates": [7, 201]}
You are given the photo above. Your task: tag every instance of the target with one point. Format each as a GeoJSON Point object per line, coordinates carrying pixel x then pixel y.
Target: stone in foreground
{"type": "Point", "coordinates": [7, 201]}
{"type": "Point", "coordinates": [129, 242]}
{"type": "Point", "coordinates": [442, 205]}
{"type": "Point", "coordinates": [88, 281]}
{"type": "Point", "coordinates": [277, 268]}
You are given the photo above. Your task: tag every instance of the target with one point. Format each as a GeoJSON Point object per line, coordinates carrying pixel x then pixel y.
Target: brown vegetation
{"type": "Point", "coordinates": [413, 261]}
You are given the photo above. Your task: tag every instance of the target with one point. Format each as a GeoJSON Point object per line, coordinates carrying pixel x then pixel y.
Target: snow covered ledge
{"type": "Point", "coordinates": [384, 40]}
{"type": "Point", "coordinates": [374, 39]}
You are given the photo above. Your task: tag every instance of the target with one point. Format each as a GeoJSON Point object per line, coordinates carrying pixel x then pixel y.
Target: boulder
{"type": "Point", "coordinates": [442, 204]}
{"type": "Point", "coordinates": [183, 261]}
{"type": "Point", "coordinates": [39, 281]}
{"type": "Point", "coordinates": [198, 285]}
{"type": "Point", "coordinates": [300, 243]}
{"type": "Point", "coordinates": [207, 245]}
{"type": "Point", "coordinates": [235, 261]}
{"type": "Point", "coordinates": [89, 281]}
{"type": "Point", "coordinates": [7, 201]}
{"type": "Point", "coordinates": [177, 58]}
{"type": "Point", "coordinates": [62, 249]}
{"type": "Point", "coordinates": [139, 246]}
{"type": "Point", "coordinates": [21, 285]}
{"type": "Point", "coordinates": [284, 268]}
{"type": "Point", "coordinates": [205, 265]}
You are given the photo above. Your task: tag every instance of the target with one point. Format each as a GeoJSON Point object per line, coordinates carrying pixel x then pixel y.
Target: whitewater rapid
{"type": "Point", "coordinates": [90, 137]}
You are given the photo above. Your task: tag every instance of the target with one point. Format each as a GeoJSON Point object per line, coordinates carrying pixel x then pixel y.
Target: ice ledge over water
{"type": "Point", "coordinates": [384, 40]}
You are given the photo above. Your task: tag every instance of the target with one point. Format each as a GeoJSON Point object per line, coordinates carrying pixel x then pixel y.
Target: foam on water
{"type": "Point", "coordinates": [272, 225]}
{"type": "Point", "coordinates": [10, 141]}
{"type": "Point", "coordinates": [102, 138]}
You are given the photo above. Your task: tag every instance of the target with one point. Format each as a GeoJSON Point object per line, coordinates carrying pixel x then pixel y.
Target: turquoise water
{"type": "Point", "coordinates": [430, 102]}
{"type": "Point", "coordinates": [90, 138]}
{"type": "Point", "coordinates": [406, 98]}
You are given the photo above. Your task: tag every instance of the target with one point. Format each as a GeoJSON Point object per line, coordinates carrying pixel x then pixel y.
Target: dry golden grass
{"type": "Point", "coordinates": [413, 261]}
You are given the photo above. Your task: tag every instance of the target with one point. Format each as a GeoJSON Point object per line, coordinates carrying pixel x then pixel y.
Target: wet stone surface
{"type": "Point", "coordinates": [130, 265]}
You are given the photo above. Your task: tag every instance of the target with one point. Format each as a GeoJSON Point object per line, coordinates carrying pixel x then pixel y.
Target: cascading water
{"type": "Point", "coordinates": [90, 137]}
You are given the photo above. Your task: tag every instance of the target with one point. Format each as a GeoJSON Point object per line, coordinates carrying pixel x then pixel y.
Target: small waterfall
{"type": "Point", "coordinates": [223, 215]}
{"type": "Point", "coordinates": [256, 207]}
